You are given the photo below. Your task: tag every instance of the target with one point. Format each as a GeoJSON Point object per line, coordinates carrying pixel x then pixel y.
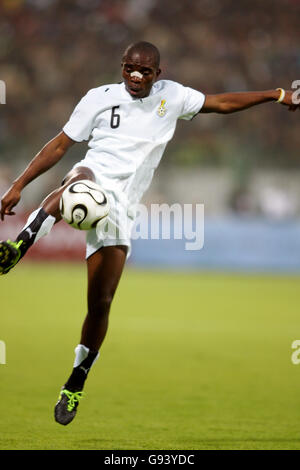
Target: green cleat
{"type": "Point", "coordinates": [10, 254]}
{"type": "Point", "coordinates": [66, 407]}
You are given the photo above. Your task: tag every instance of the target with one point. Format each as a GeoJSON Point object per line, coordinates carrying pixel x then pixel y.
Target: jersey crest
{"type": "Point", "coordinates": [162, 108]}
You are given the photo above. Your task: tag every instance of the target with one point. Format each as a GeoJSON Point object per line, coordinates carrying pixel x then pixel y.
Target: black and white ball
{"type": "Point", "coordinates": [83, 204]}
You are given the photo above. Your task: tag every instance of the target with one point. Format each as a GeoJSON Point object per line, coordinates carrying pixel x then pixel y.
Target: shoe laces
{"type": "Point", "coordinates": [73, 398]}
{"type": "Point", "coordinates": [16, 245]}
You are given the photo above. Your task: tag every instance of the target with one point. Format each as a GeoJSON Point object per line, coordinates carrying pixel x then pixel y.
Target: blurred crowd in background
{"type": "Point", "coordinates": [52, 52]}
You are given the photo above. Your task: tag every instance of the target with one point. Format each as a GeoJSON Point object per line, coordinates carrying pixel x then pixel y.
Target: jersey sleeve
{"type": "Point", "coordinates": [81, 123]}
{"type": "Point", "coordinates": [193, 101]}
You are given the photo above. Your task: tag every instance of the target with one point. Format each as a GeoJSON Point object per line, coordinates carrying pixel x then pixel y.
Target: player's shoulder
{"type": "Point", "coordinates": [171, 89]}
{"type": "Point", "coordinates": [168, 85]}
{"type": "Point", "coordinates": [104, 90]}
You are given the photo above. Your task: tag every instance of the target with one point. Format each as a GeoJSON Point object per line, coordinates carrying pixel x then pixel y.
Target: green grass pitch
{"type": "Point", "coordinates": [191, 361]}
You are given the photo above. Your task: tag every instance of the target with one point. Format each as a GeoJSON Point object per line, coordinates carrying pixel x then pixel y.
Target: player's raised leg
{"type": "Point", "coordinates": [39, 223]}
{"type": "Point", "coordinates": [104, 271]}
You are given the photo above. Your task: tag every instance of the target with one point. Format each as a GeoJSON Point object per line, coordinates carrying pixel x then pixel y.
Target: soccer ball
{"type": "Point", "coordinates": [83, 204]}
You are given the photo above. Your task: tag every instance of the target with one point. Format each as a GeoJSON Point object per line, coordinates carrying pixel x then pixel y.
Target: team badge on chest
{"type": "Point", "coordinates": [162, 108]}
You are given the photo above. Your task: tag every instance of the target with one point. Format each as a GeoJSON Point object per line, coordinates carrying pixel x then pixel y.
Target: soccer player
{"type": "Point", "coordinates": [128, 126]}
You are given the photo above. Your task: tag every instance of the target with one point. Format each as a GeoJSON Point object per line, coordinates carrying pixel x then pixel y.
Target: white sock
{"type": "Point", "coordinates": [81, 353]}
{"type": "Point", "coordinates": [43, 229]}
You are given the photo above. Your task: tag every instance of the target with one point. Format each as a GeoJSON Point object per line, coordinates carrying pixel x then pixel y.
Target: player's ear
{"type": "Point", "coordinates": [158, 72]}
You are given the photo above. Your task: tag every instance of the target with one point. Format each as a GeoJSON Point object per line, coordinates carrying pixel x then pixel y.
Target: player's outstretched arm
{"type": "Point", "coordinates": [50, 154]}
{"type": "Point", "coordinates": [225, 103]}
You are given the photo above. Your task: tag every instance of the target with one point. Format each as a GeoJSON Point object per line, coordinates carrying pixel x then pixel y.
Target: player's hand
{"type": "Point", "coordinates": [288, 101]}
{"type": "Point", "coordinates": [9, 200]}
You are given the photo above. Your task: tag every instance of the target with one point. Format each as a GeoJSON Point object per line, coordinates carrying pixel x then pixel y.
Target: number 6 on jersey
{"type": "Point", "coordinates": [115, 118]}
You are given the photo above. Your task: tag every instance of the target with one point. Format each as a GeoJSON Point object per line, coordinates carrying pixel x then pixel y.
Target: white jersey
{"type": "Point", "coordinates": [127, 136]}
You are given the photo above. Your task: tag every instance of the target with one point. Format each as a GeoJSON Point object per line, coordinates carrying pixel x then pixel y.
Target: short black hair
{"type": "Point", "coordinates": [144, 46]}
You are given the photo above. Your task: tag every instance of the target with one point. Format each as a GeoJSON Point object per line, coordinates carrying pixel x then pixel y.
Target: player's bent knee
{"type": "Point", "coordinates": [79, 173]}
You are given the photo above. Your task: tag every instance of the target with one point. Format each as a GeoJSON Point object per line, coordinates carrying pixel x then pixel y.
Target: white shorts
{"type": "Point", "coordinates": [117, 226]}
